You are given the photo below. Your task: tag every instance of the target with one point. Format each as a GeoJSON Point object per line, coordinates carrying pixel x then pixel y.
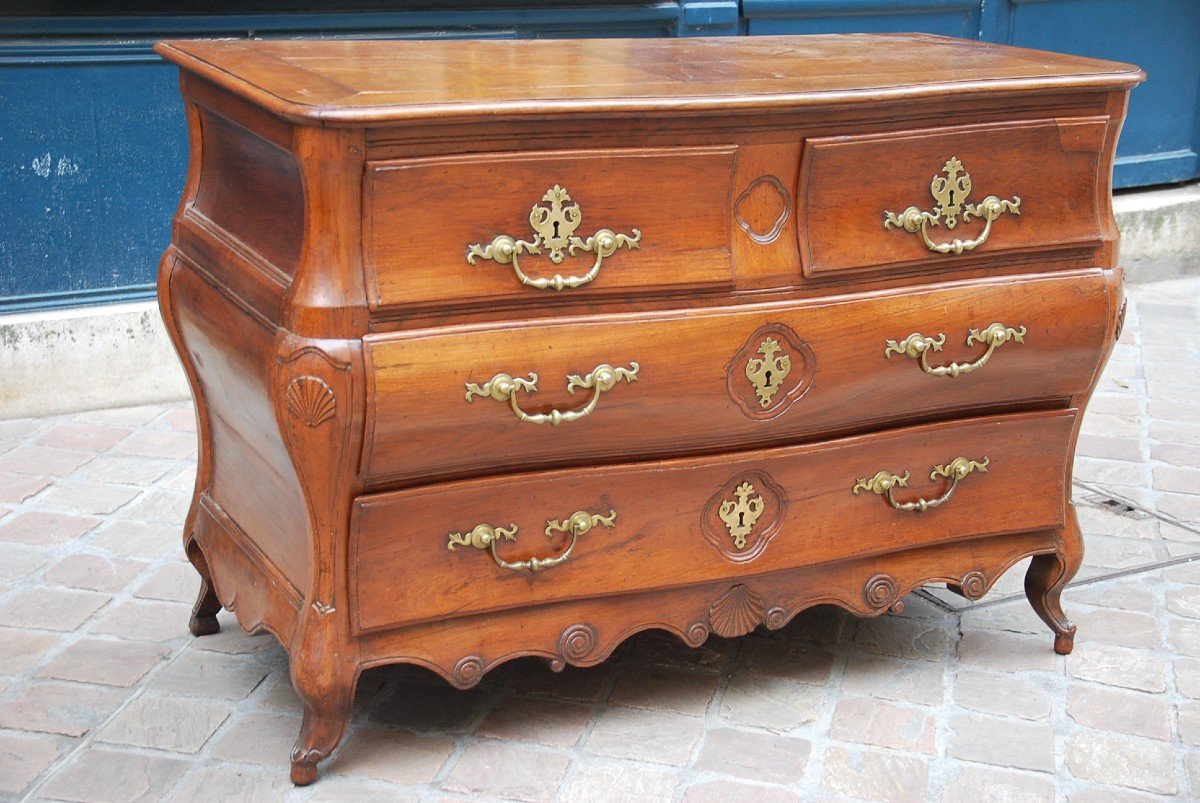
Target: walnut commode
{"type": "Point", "coordinates": [518, 348]}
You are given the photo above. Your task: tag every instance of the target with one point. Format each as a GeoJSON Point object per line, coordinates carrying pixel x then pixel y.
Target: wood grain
{"type": "Point", "coordinates": [420, 425]}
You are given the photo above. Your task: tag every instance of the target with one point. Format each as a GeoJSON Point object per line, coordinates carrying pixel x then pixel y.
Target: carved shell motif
{"type": "Point", "coordinates": [737, 612]}
{"type": "Point", "coordinates": [311, 400]}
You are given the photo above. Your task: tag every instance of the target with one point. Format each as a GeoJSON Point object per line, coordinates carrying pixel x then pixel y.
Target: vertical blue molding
{"type": "Point", "coordinates": [92, 140]}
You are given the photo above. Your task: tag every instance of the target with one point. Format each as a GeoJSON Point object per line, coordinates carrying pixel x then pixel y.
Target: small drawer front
{"type": "Point", "coordinates": [452, 401]}
{"type": "Point", "coordinates": [529, 227]}
{"type": "Point", "coordinates": [623, 529]}
{"type": "Point", "coordinates": [949, 197]}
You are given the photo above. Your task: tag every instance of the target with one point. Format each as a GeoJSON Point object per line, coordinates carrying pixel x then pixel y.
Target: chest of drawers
{"type": "Point", "coordinates": [510, 349]}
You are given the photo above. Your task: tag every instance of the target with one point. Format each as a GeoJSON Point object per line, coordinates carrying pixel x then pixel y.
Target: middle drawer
{"type": "Point", "coordinates": [484, 399]}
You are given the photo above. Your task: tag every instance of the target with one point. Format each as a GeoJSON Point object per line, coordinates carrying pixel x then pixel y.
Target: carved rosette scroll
{"type": "Point", "coordinates": [771, 371]}
{"type": "Point", "coordinates": [741, 518]}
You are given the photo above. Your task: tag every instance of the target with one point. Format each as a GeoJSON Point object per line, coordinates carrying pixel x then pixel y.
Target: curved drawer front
{"type": "Point", "coordinates": [600, 220]}
{"type": "Point", "coordinates": [955, 195]}
{"type": "Point", "coordinates": [646, 526]}
{"type": "Point", "coordinates": [449, 402]}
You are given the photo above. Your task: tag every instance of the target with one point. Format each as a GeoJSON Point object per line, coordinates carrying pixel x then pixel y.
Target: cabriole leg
{"type": "Point", "coordinates": [1046, 578]}
{"type": "Point", "coordinates": [327, 703]}
{"type": "Point", "coordinates": [204, 612]}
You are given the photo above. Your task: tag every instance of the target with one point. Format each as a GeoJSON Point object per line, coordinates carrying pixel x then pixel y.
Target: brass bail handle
{"type": "Point", "coordinates": [503, 388]}
{"type": "Point", "coordinates": [485, 536]}
{"type": "Point", "coordinates": [950, 192]}
{"type": "Point", "coordinates": [554, 226]}
{"type": "Point", "coordinates": [885, 482]}
{"type": "Point", "coordinates": [917, 347]}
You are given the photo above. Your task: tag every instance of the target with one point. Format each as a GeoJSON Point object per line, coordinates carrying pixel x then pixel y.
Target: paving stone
{"type": "Point", "coordinates": [93, 572]}
{"type": "Point", "coordinates": [550, 722]}
{"type": "Point", "coordinates": [777, 705]}
{"type": "Point", "coordinates": [17, 429]}
{"type": "Point", "coordinates": [1187, 677]}
{"type": "Point", "coordinates": [138, 540]}
{"type": "Point", "coordinates": [754, 756]}
{"type": "Point", "coordinates": [16, 488]}
{"type": "Point", "coordinates": [919, 682]}
{"type": "Point", "coordinates": [21, 650]}
{"type": "Point", "coordinates": [1004, 742]}
{"type": "Point", "coordinates": [1118, 628]}
{"type": "Point", "coordinates": [184, 481]}
{"type": "Point", "coordinates": [144, 621]}
{"type": "Point", "coordinates": [160, 443]}
{"type": "Point", "coordinates": [101, 775]}
{"type": "Point", "coordinates": [40, 528]}
{"type": "Point", "coordinates": [610, 782]}
{"type": "Point", "coordinates": [199, 673]}
{"type": "Point", "coordinates": [654, 736]}
{"type": "Point", "coordinates": [1184, 602]}
{"type": "Point", "coordinates": [1177, 454]}
{"type": "Point", "coordinates": [1111, 472]}
{"type": "Point", "coordinates": [789, 660]}
{"type": "Point", "coordinates": [1110, 448]}
{"type": "Point", "coordinates": [395, 756]}
{"type": "Point", "coordinates": [1002, 695]}
{"type": "Point", "coordinates": [975, 784]}
{"type": "Point", "coordinates": [259, 738]}
{"type": "Point", "coordinates": [1103, 521]}
{"type": "Point", "coordinates": [1175, 431]}
{"type": "Point", "coordinates": [905, 638]}
{"type": "Point", "coordinates": [1095, 793]}
{"type": "Point", "coordinates": [1187, 720]}
{"type": "Point", "coordinates": [22, 759]}
{"type": "Point", "coordinates": [20, 562]}
{"type": "Point", "coordinates": [1177, 480]}
{"type": "Point", "coordinates": [167, 723]}
{"type": "Point", "coordinates": [166, 507]}
{"type": "Point", "coordinates": [664, 689]}
{"type": "Point", "coordinates": [1007, 652]}
{"type": "Point", "coordinates": [174, 582]}
{"type": "Point", "coordinates": [874, 775]}
{"type": "Point", "coordinates": [139, 471]}
{"type": "Point", "coordinates": [209, 783]}
{"type": "Point", "coordinates": [83, 437]}
{"type": "Point", "coordinates": [1108, 759]}
{"type": "Point", "coordinates": [110, 663]}
{"type": "Point", "coordinates": [1117, 667]}
{"type": "Point", "coordinates": [1130, 595]}
{"type": "Point", "coordinates": [61, 609]}
{"type": "Point", "coordinates": [1183, 507]}
{"type": "Point", "coordinates": [508, 770]}
{"type": "Point", "coordinates": [64, 708]}
{"type": "Point", "coordinates": [88, 498]}
{"type": "Point", "coordinates": [729, 791]}
{"type": "Point", "coordinates": [340, 789]}
{"type": "Point", "coordinates": [884, 724]}
{"type": "Point", "coordinates": [121, 416]}
{"type": "Point", "coordinates": [182, 419]}
{"type": "Point", "coordinates": [1133, 713]}
{"type": "Point", "coordinates": [1188, 572]}
{"type": "Point", "coordinates": [1119, 553]}
{"type": "Point", "coordinates": [43, 461]}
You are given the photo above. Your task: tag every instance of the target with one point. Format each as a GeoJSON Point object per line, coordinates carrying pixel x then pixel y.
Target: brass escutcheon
{"type": "Point", "coordinates": [741, 515]}
{"type": "Point", "coordinates": [950, 192]}
{"type": "Point", "coordinates": [767, 373]}
{"type": "Point", "coordinates": [554, 229]}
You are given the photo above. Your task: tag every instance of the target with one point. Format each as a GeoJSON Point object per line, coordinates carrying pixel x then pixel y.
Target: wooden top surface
{"type": "Point", "coordinates": [354, 82]}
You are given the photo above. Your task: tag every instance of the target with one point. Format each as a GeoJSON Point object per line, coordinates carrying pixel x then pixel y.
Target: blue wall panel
{"type": "Point", "coordinates": [92, 140]}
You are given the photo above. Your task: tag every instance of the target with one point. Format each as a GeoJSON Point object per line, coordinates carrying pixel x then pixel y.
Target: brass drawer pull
{"type": "Point", "coordinates": [884, 482]}
{"type": "Point", "coordinates": [554, 229]}
{"type": "Point", "coordinates": [485, 536]}
{"type": "Point", "coordinates": [503, 387]}
{"type": "Point", "coordinates": [916, 346]}
{"type": "Point", "coordinates": [951, 193]}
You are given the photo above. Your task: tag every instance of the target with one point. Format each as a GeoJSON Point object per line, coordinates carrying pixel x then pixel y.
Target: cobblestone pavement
{"type": "Point", "coordinates": [105, 696]}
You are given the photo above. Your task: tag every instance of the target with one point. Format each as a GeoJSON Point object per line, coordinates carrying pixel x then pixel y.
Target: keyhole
{"type": "Point", "coordinates": [951, 204]}
{"type": "Point", "coordinates": [741, 519]}
{"type": "Point", "coordinates": [768, 379]}
{"type": "Point", "coordinates": [556, 223]}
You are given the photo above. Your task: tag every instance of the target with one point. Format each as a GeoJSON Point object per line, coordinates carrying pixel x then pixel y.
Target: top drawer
{"type": "Point", "coordinates": [1039, 182]}
{"type": "Point", "coordinates": [665, 212]}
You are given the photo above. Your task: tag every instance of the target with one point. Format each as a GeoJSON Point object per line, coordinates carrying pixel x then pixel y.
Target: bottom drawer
{"type": "Point", "coordinates": [672, 523]}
